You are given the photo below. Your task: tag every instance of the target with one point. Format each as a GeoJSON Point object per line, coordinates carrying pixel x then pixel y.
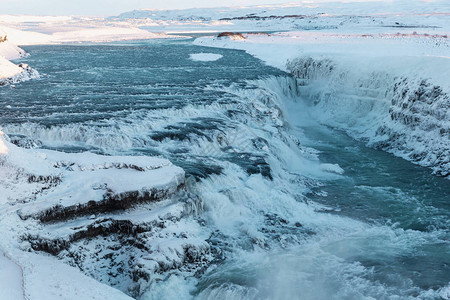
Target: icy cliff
{"type": "Point", "coordinates": [388, 90]}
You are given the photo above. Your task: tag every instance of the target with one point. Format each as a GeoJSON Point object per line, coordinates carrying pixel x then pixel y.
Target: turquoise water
{"type": "Point", "coordinates": [281, 227]}
{"type": "Point", "coordinates": [384, 190]}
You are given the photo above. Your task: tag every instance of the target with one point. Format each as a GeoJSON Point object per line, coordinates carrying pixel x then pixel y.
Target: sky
{"type": "Point", "coordinates": [112, 7]}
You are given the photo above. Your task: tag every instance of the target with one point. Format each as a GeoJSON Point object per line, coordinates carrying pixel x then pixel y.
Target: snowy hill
{"type": "Point", "coordinates": [329, 15]}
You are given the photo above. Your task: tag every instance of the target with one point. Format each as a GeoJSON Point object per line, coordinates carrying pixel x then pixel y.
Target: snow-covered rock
{"type": "Point", "coordinates": [69, 204]}
{"type": "Point", "coordinates": [11, 73]}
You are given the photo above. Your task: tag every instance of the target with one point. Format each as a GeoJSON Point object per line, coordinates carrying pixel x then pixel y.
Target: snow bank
{"type": "Point", "coordinates": [205, 56]}
{"type": "Point", "coordinates": [103, 34]}
{"type": "Point", "coordinates": [21, 37]}
{"type": "Point", "coordinates": [9, 72]}
{"type": "Point", "coordinates": [11, 283]}
{"type": "Point", "coordinates": [58, 34]}
{"type": "Point", "coordinates": [8, 69]}
{"type": "Point", "coordinates": [9, 50]}
{"type": "Point", "coordinates": [48, 279]}
{"type": "Point", "coordinates": [86, 182]}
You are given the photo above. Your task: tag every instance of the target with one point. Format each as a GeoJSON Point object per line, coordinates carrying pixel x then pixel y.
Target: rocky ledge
{"type": "Point", "coordinates": [122, 220]}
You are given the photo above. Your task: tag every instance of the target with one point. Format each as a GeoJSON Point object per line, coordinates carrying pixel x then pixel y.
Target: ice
{"type": "Point", "coordinates": [205, 56]}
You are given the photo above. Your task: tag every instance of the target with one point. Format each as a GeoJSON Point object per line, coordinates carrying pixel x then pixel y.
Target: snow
{"type": "Point", "coordinates": [8, 69]}
{"type": "Point", "coordinates": [205, 56]}
{"type": "Point", "coordinates": [79, 178]}
{"type": "Point", "coordinates": [11, 284]}
{"type": "Point", "coordinates": [21, 37]}
{"type": "Point", "coordinates": [9, 51]}
{"type": "Point", "coordinates": [103, 34]}
{"type": "Point", "coordinates": [37, 30]}
{"type": "Point", "coordinates": [304, 15]}
{"type": "Point", "coordinates": [350, 74]}
{"type": "Point", "coordinates": [49, 279]}
{"type": "Point", "coordinates": [9, 72]}
{"type": "Point", "coordinates": [88, 177]}
{"type": "Point", "coordinates": [346, 56]}
{"type": "Point", "coordinates": [295, 44]}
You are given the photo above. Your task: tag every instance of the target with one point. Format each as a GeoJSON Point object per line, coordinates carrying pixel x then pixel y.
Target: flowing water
{"type": "Point", "coordinates": [293, 209]}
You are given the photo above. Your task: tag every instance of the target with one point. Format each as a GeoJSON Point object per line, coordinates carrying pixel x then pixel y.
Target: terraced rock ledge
{"type": "Point", "coordinates": [118, 219]}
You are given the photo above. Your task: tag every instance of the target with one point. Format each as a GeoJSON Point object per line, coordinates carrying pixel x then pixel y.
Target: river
{"type": "Point", "coordinates": [292, 209]}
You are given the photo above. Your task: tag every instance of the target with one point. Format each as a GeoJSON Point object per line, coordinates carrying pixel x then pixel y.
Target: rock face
{"type": "Point", "coordinates": [117, 219]}
{"type": "Point", "coordinates": [231, 35]}
{"type": "Point", "coordinates": [3, 37]}
{"type": "Point", "coordinates": [421, 114]}
{"type": "Point", "coordinates": [402, 114]}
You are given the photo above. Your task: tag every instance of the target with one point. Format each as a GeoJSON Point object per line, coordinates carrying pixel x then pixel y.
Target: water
{"type": "Point", "coordinates": [384, 190]}
{"type": "Point", "coordinates": [283, 222]}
